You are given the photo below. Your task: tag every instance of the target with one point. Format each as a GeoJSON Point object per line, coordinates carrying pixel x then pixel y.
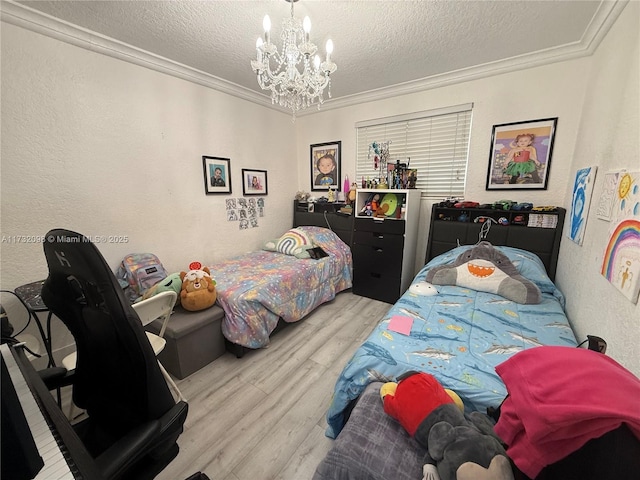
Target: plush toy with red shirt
{"type": "Point", "coordinates": [458, 447]}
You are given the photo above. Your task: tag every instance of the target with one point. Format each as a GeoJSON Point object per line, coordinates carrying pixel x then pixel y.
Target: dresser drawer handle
{"type": "Point", "coordinates": [375, 275]}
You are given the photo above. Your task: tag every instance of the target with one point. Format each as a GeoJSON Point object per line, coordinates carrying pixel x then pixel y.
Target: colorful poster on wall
{"type": "Point", "coordinates": [621, 260]}
{"type": "Point", "coordinates": [608, 195]}
{"type": "Point", "coordinates": [582, 190]}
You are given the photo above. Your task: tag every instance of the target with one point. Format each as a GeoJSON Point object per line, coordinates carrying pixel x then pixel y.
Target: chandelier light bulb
{"type": "Point", "coordinates": [259, 44]}
{"type": "Point", "coordinates": [316, 62]}
{"type": "Point", "coordinates": [306, 26]}
{"type": "Point", "coordinates": [329, 49]}
{"type": "Point", "coordinates": [266, 24]}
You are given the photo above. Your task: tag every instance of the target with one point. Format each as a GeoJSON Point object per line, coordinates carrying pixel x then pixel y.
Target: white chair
{"type": "Point", "coordinates": [159, 306]}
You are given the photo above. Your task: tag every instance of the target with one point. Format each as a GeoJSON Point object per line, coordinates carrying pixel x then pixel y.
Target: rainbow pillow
{"type": "Point", "coordinates": [294, 242]}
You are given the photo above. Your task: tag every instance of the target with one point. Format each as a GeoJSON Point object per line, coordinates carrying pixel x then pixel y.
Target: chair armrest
{"type": "Point", "coordinates": [177, 415]}
{"type": "Point", "coordinates": [117, 458]}
{"type": "Point", "coordinates": [129, 449]}
{"type": "Point", "coordinates": [56, 377]}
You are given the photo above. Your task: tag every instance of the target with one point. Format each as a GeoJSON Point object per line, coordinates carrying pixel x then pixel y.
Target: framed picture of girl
{"type": "Point", "coordinates": [520, 155]}
{"type": "Point", "coordinates": [254, 182]}
{"type": "Point", "coordinates": [325, 166]}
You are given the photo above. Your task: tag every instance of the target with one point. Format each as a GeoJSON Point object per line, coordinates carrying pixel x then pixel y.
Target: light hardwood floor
{"type": "Point", "coordinates": [262, 416]}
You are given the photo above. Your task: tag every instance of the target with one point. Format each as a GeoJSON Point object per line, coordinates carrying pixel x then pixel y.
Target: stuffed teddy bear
{"type": "Point", "coordinates": [458, 448]}
{"type": "Point", "coordinates": [198, 288]}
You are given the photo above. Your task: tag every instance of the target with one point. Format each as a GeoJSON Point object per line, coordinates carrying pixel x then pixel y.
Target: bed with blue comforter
{"type": "Point", "coordinates": [458, 335]}
{"type": "Point", "coordinates": [258, 289]}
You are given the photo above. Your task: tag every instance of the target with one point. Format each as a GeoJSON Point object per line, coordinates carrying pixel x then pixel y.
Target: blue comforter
{"type": "Point", "coordinates": [459, 336]}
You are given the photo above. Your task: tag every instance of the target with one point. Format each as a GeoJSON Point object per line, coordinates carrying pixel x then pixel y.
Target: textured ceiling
{"type": "Point", "coordinates": [378, 44]}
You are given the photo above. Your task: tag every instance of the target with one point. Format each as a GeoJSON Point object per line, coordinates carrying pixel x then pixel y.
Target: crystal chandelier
{"type": "Point", "coordinates": [295, 76]}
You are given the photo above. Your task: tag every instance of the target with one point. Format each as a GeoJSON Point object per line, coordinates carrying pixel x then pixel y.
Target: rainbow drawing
{"type": "Point", "coordinates": [621, 262]}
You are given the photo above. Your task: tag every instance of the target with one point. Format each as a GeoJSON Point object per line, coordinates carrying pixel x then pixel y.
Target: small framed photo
{"type": "Point", "coordinates": [520, 155]}
{"type": "Point", "coordinates": [325, 166]}
{"type": "Point", "coordinates": [254, 182]}
{"type": "Point", "coordinates": [217, 175]}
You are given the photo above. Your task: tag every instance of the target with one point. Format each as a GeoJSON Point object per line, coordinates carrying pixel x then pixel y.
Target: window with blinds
{"type": "Point", "coordinates": [434, 142]}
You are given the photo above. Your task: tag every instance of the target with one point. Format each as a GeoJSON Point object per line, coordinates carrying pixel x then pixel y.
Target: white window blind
{"type": "Point", "coordinates": [434, 142]}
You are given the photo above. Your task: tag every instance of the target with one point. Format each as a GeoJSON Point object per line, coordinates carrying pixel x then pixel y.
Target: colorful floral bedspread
{"type": "Point", "coordinates": [258, 288]}
{"type": "Point", "coordinates": [459, 336]}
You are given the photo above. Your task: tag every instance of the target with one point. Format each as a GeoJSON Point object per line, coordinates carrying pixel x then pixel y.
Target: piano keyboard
{"type": "Point", "coordinates": [55, 465]}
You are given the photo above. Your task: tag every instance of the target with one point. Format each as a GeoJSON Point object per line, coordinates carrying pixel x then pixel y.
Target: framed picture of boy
{"type": "Point", "coordinates": [217, 175]}
{"type": "Point", "coordinates": [325, 166]}
{"type": "Point", "coordinates": [520, 155]}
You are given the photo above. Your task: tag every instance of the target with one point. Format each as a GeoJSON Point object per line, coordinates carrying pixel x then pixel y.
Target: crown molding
{"type": "Point", "coordinates": [36, 21]}
{"type": "Point", "coordinates": [600, 25]}
{"type": "Point", "coordinates": [30, 19]}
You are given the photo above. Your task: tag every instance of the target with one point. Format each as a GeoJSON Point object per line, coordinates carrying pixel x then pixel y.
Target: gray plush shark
{"type": "Point", "coordinates": [486, 269]}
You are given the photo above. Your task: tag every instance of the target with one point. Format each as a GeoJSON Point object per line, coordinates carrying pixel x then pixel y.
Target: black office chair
{"type": "Point", "coordinates": [133, 421]}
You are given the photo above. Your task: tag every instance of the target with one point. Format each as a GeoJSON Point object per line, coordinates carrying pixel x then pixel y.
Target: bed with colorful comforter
{"type": "Point", "coordinates": [259, 288]}
{"type": "Point", "coordinates": [459, 335]}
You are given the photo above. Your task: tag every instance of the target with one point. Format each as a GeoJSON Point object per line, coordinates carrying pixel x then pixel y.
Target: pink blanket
{"type": "Point", "coordinates": [559, 399]}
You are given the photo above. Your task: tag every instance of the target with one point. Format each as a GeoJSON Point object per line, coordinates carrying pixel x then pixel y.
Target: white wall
{"type": "Point", "coordinates": [596, 102]}
{"type": "Point", "coordinates": [609, 138]}
{"type": "Point", "coordinates": [556, 90]}
{"type": "Point", "coordinates": [104, 147]}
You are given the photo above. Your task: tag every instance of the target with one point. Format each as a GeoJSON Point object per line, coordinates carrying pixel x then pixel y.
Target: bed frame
{"type": "Point", "coordinates": [451, 227]}
{"type": "Point", "coordinates": [325, 215]}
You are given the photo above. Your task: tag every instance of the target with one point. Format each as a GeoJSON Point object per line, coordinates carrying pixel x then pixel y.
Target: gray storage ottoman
{"type": "Point", "coordinates": [194, 339]}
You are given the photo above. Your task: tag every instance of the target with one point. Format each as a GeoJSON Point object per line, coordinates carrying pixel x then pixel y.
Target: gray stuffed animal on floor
{"type": "Point", "coordinates": [461, 448]}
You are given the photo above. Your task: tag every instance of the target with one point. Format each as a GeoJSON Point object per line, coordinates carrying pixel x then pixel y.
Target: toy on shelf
{"type": "Point", "coordinates": [522, 206]}
{"type": "Point", "coordinates": [351, 197]}
{"type": "Point", "coordinates": [449, 202]}
{"type": "Point", "coordinates": [302, 196]}
{"type": "Point", "coordinates": [503, 204]}
{"type": "Point", "coordinates": [466, 205]}
{"type": "Point", "coordinates": [331, 195]}
{"type": "Point", "coordinates": [371, 205]}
